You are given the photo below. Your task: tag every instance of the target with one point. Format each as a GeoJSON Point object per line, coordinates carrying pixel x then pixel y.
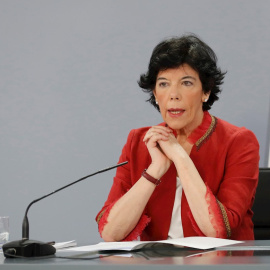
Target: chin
{"type": "Point", "coordinates": [175, 126]}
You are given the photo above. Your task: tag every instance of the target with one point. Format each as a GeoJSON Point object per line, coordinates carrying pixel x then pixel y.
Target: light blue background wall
{"type": "Point", "coordinates": [69, 94]}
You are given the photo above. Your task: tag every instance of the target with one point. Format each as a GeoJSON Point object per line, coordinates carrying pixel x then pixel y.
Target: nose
{"type": "Point", "coordinates": [175, 93]}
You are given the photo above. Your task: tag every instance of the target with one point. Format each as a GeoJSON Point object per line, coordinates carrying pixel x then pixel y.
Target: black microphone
{"type": "Point", "coordinates": [33, 248]}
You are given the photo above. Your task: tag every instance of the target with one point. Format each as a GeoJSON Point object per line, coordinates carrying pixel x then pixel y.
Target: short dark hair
{"type": "Point", "coordinates": [187, 49]}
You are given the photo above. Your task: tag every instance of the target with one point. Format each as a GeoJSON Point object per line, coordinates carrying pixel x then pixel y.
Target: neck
{"type": "Point", "coordinates": [184, 133]}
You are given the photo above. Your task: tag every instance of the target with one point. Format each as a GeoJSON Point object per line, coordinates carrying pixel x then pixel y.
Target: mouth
{"type": "Point", "coordinates": [176, 112]}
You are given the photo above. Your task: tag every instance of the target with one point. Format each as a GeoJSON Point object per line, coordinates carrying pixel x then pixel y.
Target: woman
{"type": "Point", "coordinates": [193, 174]}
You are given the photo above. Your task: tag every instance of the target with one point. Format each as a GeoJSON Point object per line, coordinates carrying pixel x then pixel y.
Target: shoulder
{"type": "Point", "coordinates": [232, 134]}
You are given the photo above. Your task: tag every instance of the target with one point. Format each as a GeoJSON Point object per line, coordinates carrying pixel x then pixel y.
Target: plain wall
{"type": "Point", "coordinates": [69, 94]}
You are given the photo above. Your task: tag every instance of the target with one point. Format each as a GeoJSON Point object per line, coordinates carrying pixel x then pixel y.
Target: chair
{"type": "Point", "coordinates": [261, 206]}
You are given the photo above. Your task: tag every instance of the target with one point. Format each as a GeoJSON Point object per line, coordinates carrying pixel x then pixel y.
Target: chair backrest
{"type": "Point", "coordinates": [261, 206]}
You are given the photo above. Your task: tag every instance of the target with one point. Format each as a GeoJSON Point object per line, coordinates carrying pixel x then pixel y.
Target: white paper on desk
{"type": "Point", "coordinates": [200, 242]}
{"type": "Point", "coordinates": [67, 244]}
{"type": "Point", "coordinates": [126, 246]}
{"type": "Point", "coordinates": [193, 242]}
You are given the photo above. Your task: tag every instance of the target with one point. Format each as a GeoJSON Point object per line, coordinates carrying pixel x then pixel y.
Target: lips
{"type": "Point", "coordinates": [176, 112]}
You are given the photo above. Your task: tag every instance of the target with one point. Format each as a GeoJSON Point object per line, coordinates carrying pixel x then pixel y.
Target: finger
{"type": "Point", "coordinates": [153, 140]}
{"type": "Point", "coordinates": [161, 129]}
{"type": "Point", "coordinates": [155, 135]}
{"type": "Point", "coordinates": [156, 129]}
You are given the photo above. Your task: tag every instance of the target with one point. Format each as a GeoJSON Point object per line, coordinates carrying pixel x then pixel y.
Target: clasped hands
{"type": "Point", "coordinates": [163, 147]}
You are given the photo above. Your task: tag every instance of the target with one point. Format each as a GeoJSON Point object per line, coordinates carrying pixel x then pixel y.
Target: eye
{"type": "Point", "coordinates": [163, 84]}
{"type": "Point", "coordinates": [187, 83]}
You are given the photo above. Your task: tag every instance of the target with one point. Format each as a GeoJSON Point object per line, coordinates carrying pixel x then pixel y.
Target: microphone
{"type": "Point", "coordinates": [33, 248]}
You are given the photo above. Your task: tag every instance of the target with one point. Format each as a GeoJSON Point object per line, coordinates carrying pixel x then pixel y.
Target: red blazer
{"type": "Point", "coordinates": [227, 159]}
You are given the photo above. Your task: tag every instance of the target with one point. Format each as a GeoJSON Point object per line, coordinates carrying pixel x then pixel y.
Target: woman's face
{"type": "Point", "coordinates": [180, 96]}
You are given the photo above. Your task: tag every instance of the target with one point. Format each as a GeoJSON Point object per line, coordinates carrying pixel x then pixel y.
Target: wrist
{"type": "Point", "coordinates": [155, 171]}
{"type": "Point", "coordinates": [180, 158]}
{"type": "Point", "coordinates": [150, 178]}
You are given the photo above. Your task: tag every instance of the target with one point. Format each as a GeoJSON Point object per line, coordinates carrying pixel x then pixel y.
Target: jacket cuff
{"type": "Point", "coordinates": [133, 235]}
{"type": "Point", "coordinates": [218, 217]}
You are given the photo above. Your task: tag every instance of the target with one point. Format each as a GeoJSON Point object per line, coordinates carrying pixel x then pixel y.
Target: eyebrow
{"type": "Point", "coordinates": [183, 78]}
{"type": "Point", "coordinates": [189, 77]}
{"type": "Point", "coordinates": [161, 78]}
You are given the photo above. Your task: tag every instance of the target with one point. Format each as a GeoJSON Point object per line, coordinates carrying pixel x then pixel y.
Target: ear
{"type": "Point", "coordinates": [154, 93]}
{"type": "Point", "coordinates": [206, 96]}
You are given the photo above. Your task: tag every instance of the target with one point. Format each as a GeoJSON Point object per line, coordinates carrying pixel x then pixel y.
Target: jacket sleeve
{"type": "Point", "coordinates": [235, 196]}
{"type": "Point", "coordinates": [122, 182]}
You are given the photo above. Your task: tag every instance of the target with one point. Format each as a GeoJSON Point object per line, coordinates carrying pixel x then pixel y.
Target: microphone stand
{"type": "Point", "coordinates": [33, 248]}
